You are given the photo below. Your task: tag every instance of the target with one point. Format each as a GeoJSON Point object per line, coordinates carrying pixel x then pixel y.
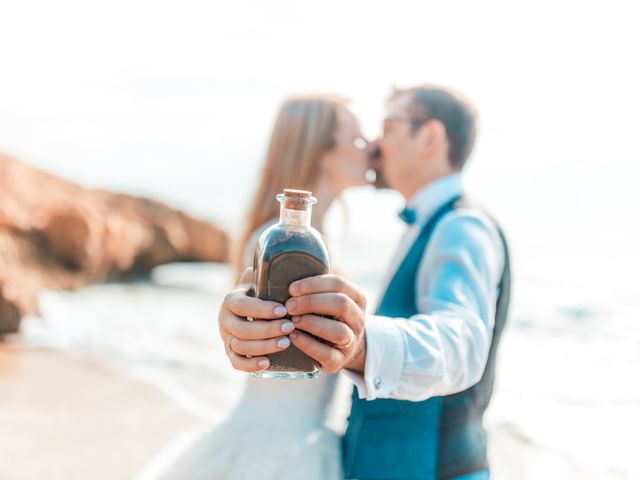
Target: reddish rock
{"type": "Point", "coordinates": [57, 235]}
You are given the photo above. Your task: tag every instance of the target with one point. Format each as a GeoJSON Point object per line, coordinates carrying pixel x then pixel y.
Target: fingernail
{"type": "Point", "coordinates": [263, 363]}
{"type": "Point", "coordinates": [294, 335]}
{"type": "Point", "coordinates": [291, 305]}
{"type": "Point", "coordinates": [287, 327]}
{"type": "Point", "coordinates": [294, 288]}
{"type": "Point", "coordinates": [280, 311]}
{"type": "Point", "coordinates": [295, 319]}
{"type": "Point", "coordinates": [284, 342]}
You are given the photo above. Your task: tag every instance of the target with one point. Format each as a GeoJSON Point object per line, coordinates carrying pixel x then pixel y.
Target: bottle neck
{"type": "Point", "coordinates": [295, 218]}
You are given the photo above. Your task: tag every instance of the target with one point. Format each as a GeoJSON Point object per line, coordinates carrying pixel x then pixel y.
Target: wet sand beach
{"type": "Point", "coordinates": [68, 417]}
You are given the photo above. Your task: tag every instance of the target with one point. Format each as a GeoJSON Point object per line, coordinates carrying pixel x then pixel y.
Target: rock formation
{"type": "Point", "coordinates": [57, 235]}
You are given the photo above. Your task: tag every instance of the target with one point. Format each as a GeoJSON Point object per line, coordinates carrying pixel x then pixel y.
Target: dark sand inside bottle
{"type": "Point", "coordinates": [289, 256]}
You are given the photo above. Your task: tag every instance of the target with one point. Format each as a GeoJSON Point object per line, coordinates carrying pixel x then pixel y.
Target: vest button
{"type": "Point", "coordinates": [377, 381]}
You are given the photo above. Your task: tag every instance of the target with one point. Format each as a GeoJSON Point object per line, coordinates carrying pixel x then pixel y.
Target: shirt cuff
{"type": "Point", "coordinates": [384, 359]}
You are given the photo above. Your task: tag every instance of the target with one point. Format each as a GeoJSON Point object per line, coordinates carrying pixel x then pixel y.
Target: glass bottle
{"type": "Point", "coordinates": [288, 251]}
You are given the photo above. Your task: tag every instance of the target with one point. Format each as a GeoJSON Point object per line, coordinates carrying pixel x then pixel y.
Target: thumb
{"type": "Point", "coordinates": [246, 279]}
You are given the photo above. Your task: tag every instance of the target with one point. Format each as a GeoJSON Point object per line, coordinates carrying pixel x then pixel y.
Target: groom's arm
{"type": "Point", "coordinates": [443, 349]}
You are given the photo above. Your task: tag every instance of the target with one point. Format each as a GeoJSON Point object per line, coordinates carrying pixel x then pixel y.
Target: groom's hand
{"type": "Point", "coordinates": [247, 342]}
{"type": "Point", "coordinates": [343, 333]}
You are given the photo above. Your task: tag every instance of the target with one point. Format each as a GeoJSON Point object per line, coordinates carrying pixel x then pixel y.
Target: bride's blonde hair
{"type": "Point", "coordinates": [304, 130]}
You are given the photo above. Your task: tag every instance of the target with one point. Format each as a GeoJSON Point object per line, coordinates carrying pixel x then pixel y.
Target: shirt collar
{"type": "Point", "coordinates": [434, 194]}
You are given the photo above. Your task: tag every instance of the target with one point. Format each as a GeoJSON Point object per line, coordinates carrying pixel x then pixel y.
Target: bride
{"type": "Point", "coordinates": [279, 428]}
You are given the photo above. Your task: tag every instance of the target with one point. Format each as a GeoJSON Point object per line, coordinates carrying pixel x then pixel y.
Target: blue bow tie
{"type": "Point", "coordinates": [408, 216]}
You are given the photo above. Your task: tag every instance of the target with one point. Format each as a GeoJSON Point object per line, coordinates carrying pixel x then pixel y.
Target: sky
{"type": "Point", "coordinates": [547, 69]}
{"type": "Point", "coordinates": [176, 99]}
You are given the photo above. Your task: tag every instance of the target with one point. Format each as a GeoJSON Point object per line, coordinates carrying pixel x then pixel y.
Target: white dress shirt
{"type": "Point", "coordinates": [443, 349]}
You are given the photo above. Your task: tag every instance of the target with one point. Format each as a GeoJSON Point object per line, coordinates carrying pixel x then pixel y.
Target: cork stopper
{"type": "Point", "coordinates": [296, 199]}
{"type": "Point", "coordinates": [290, 192]}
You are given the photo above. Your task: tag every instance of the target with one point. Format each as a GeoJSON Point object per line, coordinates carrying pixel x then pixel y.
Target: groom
{"type": "Point", "coordinates": [424, 364]}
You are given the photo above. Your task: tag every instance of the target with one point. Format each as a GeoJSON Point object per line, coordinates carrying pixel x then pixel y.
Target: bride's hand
{"type": "Point", "coordinates": [247, 342]}
{"type": "Point", "coordinates": [344, 343]}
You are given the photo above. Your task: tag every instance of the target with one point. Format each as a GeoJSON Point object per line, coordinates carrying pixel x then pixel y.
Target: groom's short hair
{"type": "Point", "coordinates": [455, 112]}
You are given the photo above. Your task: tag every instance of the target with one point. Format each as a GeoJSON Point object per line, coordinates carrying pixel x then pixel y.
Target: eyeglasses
{"type": "Point", "coordinates": [415, 122]}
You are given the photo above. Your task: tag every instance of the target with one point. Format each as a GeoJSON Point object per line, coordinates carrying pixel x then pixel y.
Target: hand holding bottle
{"type": "Point", "coordinates": [255, 339]}
{"type": "Point", "coordinates": [343, 343]}
{"type": "Point", "coordinates": [340, 341]}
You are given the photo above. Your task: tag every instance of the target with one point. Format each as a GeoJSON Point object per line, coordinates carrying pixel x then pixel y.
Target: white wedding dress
{"type": "Point", "coordinates": [280, 430]}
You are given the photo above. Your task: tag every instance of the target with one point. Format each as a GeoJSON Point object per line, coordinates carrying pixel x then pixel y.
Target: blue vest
{"type": "Point", "coordinates": [438, 438]}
